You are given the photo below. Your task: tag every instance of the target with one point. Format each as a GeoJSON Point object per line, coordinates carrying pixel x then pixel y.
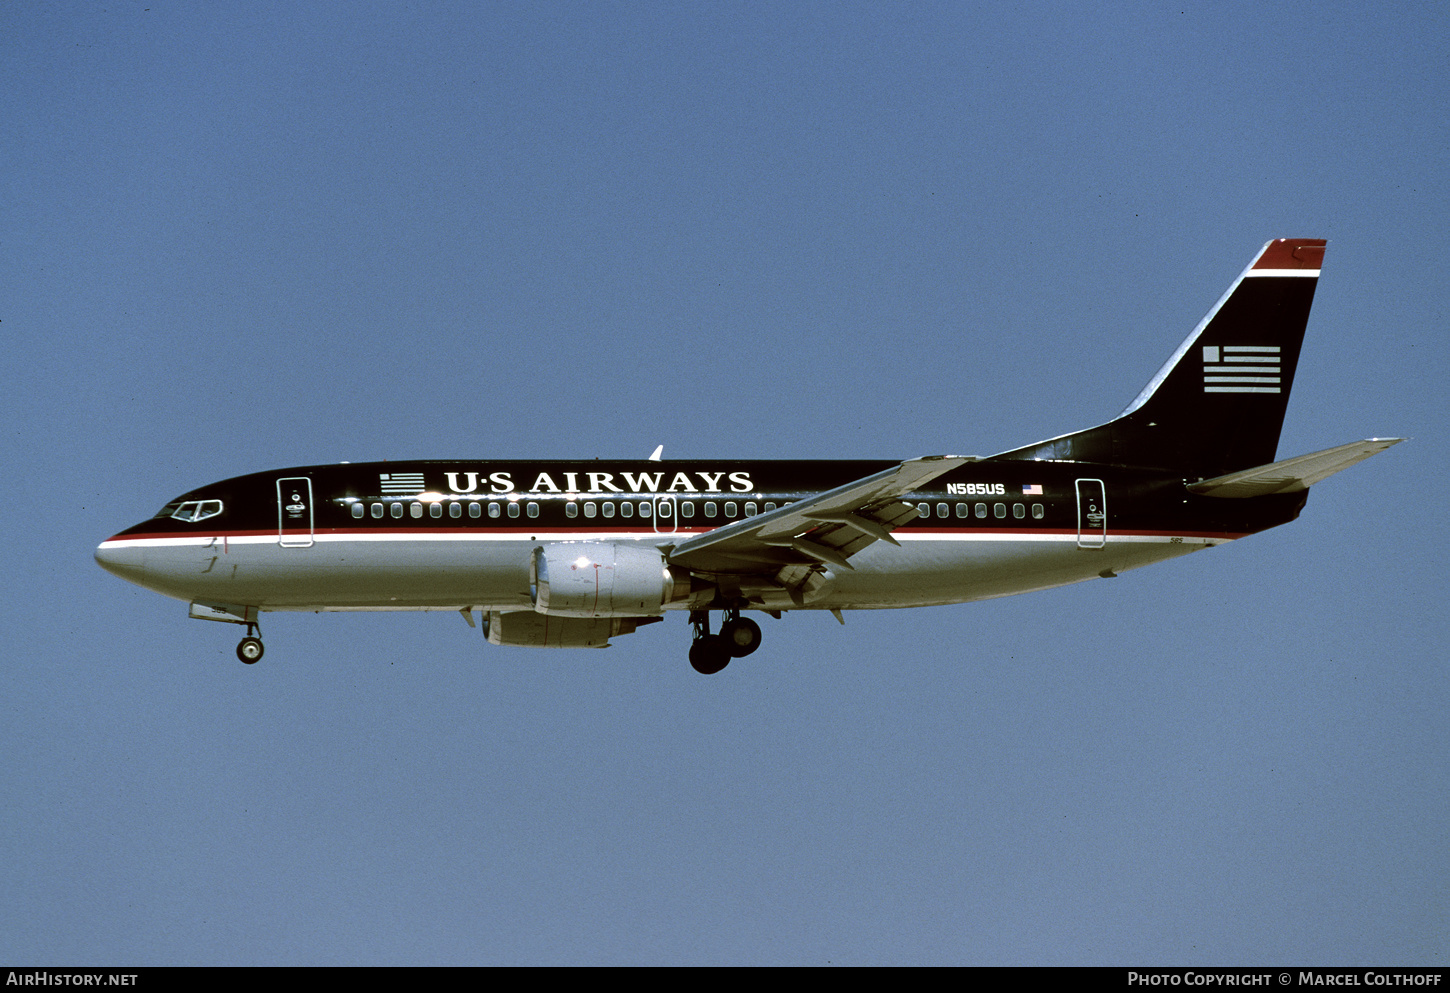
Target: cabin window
{"type": "Point", "coordinates": [416, 510]}
{"type": "Point", "coordinates": [357, 510]}
{"type": "Point", "coordinates": [494, 509]}
{"type": "Point", "coordinates": [923, 510]}
{"type": "Point", "coordinates": [645, 509]}
{"type": "Point", "coordinates": [962, 510]}
{"type": "Point", "coordinates": [999, 510]}
{"type": "Point", "coordinates": [377, 510]}
{"type": "Point", "coordinates": [1037, 511]}
{"type": "Point", "coordinates": [571, 509]}
{"type": "Point", "coordinates": [664, 508]}
{"type": "Point", "coordinates": [731, 508]}
{"type": "Point", "coordinates": [473, 509]}
{"type": "Point", "coordinates": [626, 509]}
{"type": "Point", "coordinates": [1019, 510]}
{"type": "Point", "coordinates": [455, 509]}
{"type": "Point", "coordinates": [397, 510]}
{"type": "Point", "coordinates": [591, 508]}
{"type": "Point", "coordinates": [687, 509]}
{"type": "Point", "coordinates": [941, 510]}
{"type": "Point", "coordinates": [533, 509]}
{"type": "Point", "coordinates": [513, 510]}
{"type": "Point", "coordinates": [608, 509]}
{"type": "Point", "coordinates": [435, 510]}
{"type": "Point", "coordinates": [711, 508]}
{"type": "Point", "coordinates": [769, 507]}
{"type": "Point", "coordinates": [750, 509]}
{"type": "Point", "coordinates": [981, 510]}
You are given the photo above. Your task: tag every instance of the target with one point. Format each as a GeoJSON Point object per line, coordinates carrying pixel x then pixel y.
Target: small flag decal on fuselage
{"type": "Point", "coordinates": [1033, 490]}
{"type": "Point", "coordinates": [1241, 369]}
{"type": "Point", "coordinates": [407, 483]}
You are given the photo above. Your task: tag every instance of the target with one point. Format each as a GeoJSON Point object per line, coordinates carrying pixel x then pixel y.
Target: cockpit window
{"type": "Point", "coordinates": [191, 510]}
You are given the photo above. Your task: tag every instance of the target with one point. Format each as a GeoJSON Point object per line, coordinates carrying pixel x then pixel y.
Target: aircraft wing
{"type": "Point", "coordinates": [1291, 475]}
{"type": "Point", "coordinates": [824, 530]}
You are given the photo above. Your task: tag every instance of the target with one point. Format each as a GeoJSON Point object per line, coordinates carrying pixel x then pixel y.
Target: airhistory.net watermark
{"type": "Point", "coordinates": [41, 977]}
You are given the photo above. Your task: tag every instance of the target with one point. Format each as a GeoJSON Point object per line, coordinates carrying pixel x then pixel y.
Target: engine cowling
{"type": "Point", "coordinates": [599, 579]}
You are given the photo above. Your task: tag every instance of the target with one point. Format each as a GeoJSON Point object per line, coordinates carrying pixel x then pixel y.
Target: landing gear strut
{"type": "Point", "coordinates": [738, 637]}
{"type": "Point", "coordinates": [249, 649]}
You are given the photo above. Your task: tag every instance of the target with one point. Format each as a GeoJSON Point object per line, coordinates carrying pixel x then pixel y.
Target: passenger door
{"type": "Point", "coordinates": [294, 512]}
{"type": "Point", "coordinates": [1092, 513]}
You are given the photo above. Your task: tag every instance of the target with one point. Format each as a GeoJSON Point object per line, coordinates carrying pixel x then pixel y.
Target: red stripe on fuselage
{"type": "Point", "coordinates": [628, 535]}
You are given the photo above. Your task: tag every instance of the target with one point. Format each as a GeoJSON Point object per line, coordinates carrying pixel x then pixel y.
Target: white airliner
{"type": "Point", "coordinates": [571, 554]}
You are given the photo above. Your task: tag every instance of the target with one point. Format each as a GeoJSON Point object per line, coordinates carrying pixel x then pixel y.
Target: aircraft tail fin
{"type": "Point", "coordinates": [1218, 404]}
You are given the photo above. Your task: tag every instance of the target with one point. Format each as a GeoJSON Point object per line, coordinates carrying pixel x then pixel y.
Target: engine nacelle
{"type": "Point", "coordinates": [599, 579]}
{"type": "Point", "coordinates": [532, 630]}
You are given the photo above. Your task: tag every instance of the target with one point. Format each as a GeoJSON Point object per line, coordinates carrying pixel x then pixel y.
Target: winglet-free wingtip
{"type": "Point", "coordinates": [958, 459]}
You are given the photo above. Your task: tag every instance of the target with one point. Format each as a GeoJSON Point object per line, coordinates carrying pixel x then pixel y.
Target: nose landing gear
{"type": "Point", "coordinates": [249, 649]}
{"type": "Point", "coordinates": [738, 637]}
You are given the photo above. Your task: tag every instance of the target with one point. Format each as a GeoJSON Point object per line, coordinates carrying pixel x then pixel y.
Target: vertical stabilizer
{"type": "Point", "coordinates": [1218, 404]}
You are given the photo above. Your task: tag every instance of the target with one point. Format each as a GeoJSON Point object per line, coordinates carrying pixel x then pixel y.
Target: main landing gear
{"type": "Point", "coordinates": [738, 637]}
{"type": "Point", "coordinates": [249, 649]}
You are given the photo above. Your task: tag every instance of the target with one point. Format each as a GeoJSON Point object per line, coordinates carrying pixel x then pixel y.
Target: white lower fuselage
{"type": "Point", "coordinates": [491, 572]}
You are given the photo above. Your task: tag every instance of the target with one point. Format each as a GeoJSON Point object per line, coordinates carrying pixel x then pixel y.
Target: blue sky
{"type": "Point", "coordinates": [241, 237]}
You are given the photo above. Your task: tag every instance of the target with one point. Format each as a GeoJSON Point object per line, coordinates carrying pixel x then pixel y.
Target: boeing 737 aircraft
{"type": "Point", "coordinates": [572, 554]}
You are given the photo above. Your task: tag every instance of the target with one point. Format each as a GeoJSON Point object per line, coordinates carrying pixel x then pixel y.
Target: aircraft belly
{"type": "Point", "coordinates": [340, 573]}
{"type": "Point", "coordinates": [923, 572]}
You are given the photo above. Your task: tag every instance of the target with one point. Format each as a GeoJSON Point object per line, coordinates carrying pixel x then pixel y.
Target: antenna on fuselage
{"type": "Point", "coordinates": [659, 450]}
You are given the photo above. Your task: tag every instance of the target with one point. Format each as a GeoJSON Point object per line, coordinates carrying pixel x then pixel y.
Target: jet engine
{"type": "Point", "coordinates": [602, 579]}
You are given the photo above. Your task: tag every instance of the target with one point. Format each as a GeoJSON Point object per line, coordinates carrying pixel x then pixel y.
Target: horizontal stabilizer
{"type": "Point", "coordinates": [1291, 475]}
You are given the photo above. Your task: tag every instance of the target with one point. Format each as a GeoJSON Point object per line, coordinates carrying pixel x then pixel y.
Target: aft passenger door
{"type": "Point", "coordinates": [1092, 513]}
{"type": "Point", "coordinates": [294, 512]}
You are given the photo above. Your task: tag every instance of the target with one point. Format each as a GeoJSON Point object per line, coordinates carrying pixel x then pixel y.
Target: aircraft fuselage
{"type": "Point", "coordinates": [451, 535]}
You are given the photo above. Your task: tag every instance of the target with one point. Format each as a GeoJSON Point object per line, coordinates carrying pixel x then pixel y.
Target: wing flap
{"type": "Point", "coordinates": [1291, 475]}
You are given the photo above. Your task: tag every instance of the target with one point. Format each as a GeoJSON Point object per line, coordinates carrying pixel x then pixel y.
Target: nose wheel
{"type": "Point", "coordinates": [738, 637]}
{"type": "Point", "coordinates": [249, 649]}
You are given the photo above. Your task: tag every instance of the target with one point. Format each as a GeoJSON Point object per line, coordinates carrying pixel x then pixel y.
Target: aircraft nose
{"type": "Point", "coordinates": [126, 561]}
